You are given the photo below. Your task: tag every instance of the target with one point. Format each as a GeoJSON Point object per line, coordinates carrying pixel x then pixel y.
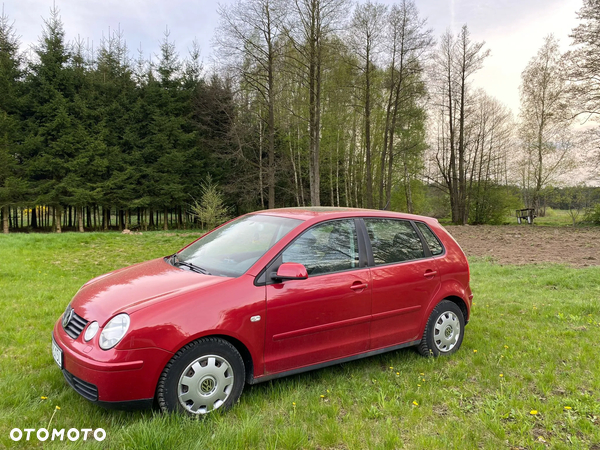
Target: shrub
{"type": "Point", "coordinates": [211, 210]}
{"type": "Point", "coordinates": [593, 215]}
{"type": "Point", "coordinates": [491, 204]}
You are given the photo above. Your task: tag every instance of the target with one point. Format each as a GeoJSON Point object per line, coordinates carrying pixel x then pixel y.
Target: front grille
{"type": "Point", "coordinates": [75, 326]}
{"type": "Point", "coordinates": [83, 388]}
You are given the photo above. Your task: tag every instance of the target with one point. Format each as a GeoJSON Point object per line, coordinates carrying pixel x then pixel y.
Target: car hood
{"type": "Point", "coordinates": [135, 287]}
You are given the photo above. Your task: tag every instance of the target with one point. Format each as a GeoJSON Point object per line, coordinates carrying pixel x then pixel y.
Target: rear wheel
{"type": "Point", "coordinates": [444, 330]}
{"type": "Point", "coordinates": [205, 375]}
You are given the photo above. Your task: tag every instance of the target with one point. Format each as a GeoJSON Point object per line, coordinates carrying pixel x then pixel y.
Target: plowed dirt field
{"type": "Point", "coordinates": [526, 244]}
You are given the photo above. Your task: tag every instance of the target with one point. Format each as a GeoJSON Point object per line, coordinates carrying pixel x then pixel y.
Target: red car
{"type": "Point", "coordinates": [265, 295]}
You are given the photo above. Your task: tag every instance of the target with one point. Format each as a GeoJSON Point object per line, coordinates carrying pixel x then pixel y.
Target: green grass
{"type": "Point", "coordinates": [553, 218]}
{"type": "Point", "coordinates": [535, 325]}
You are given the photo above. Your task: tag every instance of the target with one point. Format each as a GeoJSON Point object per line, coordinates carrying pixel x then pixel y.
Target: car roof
{"type": "Point", "coordinates": [318, 213]}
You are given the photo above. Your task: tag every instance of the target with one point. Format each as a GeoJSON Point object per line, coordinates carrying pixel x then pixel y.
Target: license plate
{"type": "Point", "coordinates": [57, 354]}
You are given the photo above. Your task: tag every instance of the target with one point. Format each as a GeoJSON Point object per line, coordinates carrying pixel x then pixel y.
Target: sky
{"type": "Point", "coordinates": [513, 30]}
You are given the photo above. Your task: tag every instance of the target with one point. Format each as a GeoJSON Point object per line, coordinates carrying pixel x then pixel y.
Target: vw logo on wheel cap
{"type": "Point", "coordinates": [67, 316]}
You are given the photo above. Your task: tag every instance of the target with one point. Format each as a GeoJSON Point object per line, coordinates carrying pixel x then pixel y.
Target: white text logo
{"type": "Point", "coordinates": [73, 434]}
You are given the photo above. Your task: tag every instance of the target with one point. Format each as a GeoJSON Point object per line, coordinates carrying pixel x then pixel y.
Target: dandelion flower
{"type": "Point", "coordinates": [415, 403]}
{"type": "Point", "coordinates": [422, 374]}
{"type": "Point", "coordinates": [322, 396]}
{"type": "Point", "coordinates": [568, 407]}
{"type": "Point", "coordinates": [501, 375]}
{"type": "Point", "coordinates": [293, 403]}
{"type": "Point", "coordinates": [44, 398]}
{"type": "Point", "coordinates": [533, 412]}
{"type": "Point", "coordinates": [418, 385]}
{"type": "Point", "coordinates": [506, 346]}
{"type": "Point", "coordinates": [474, 351]}
{"type": "Point", "coordinates": [397, 373]}
{"type": "Point", "coordinates": [58, 407]}
{"type": "Point", "coordinates": [391, 368]}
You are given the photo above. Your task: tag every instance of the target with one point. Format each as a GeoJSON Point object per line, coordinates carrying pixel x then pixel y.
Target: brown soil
{"type": "Point", "coordinates": [526, 244]}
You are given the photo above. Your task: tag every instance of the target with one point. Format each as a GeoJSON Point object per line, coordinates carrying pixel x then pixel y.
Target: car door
{"type": "Point", "coordinates": [404, 279]}
{"type": "Point", "coordinates": [325, 316]}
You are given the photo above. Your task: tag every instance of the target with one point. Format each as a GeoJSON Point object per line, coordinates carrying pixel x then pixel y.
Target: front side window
{"type": "Point", "coordinates": [232, 249]}
{"type": "Point", "coordinates": [325, 248]}
{"type": "Point", "coordinates": [393, 241]}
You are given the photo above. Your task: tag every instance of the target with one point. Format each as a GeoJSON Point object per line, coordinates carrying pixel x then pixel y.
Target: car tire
{"type": "Point", "coordinates": [444, 330]}
{"type": "Point", "coordinates": [205, 375]}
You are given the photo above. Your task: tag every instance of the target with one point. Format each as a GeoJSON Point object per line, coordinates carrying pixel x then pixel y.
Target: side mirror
{"type": "Point", "coordinates": [290, 271]}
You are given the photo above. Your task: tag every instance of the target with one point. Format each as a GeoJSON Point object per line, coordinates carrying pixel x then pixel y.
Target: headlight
{"type": "Point", "coordinates": [91, 331]}
{"type": "Point", "coordinates": [114, 331]}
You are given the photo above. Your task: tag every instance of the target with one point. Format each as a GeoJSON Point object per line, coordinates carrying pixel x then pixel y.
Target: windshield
{"type": "Point", "coordinates": [232, 249]}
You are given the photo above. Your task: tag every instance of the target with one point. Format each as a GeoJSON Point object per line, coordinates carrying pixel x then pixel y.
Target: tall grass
{"type": "Point", "coordinates": [532, 346]}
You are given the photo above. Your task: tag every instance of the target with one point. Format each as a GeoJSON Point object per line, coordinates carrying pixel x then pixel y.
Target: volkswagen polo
{"type": "Point", "coordinates": [269, 294]}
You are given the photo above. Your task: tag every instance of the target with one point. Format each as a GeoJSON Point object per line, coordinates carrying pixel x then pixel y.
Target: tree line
{"type": "Point", "coordinates": [94, 138]}
{"type": "Point", "coordinates": [313, 102]}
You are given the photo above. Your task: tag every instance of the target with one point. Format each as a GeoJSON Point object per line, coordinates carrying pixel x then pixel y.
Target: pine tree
{"type": "Point", "coordinates": [117, 94]}
{"type": "Point", "coordinates": [13, 185]}
{"type": "Point", "coordinates": [51, 142]}
{"type": "Point", "coordinates": [212, 116]}
{"type": "Point", "coordinates": [170, 141]}
{"type": "Point", "coordinates": [82, 183]}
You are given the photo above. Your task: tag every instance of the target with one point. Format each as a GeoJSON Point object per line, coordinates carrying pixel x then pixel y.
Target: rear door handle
{"type": "Point", "coordinates": [358, 286]}
{"type": "Point", "coordinates": [430, 273]}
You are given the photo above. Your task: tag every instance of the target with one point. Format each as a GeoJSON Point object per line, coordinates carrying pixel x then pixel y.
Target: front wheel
{"type": "Point", "coordinates": [444, 330]}
{"type": "Point", "coordinates": [205, 375]}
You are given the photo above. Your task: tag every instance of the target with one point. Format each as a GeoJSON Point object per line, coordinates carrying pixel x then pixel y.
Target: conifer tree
{"type": "Point", "coordinates": [12, 183]}
{"type": "Point", "coordinates": [117, 94]}
{"type": "Point", "coordinates": [170, 141]}
{"type": "Point", "coordinates": [50, 143]}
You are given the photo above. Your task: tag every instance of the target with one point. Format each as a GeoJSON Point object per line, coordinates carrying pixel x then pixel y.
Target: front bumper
{"type": "Point", "coordinates": [112, 377]}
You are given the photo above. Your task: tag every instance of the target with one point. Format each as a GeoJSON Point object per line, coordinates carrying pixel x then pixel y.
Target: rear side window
{"type": "Point", "coordinates": [393, 241]}
{"type": "Point", "coordinates": [432, 241]}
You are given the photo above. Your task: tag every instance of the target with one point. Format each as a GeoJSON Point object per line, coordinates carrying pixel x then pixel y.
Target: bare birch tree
{"type": "Point", "coordinates": [583, 66]}
{"type": "Point", "coordinates": [584, 60]}
{"type": "Point", "coordinates": [545, 120]}
{"type": "Point", "coordinates": [456, 60]}
{"type": "Point", "coordinates": [365, 37]}
{"type": "Point", "coordinates": [250, 35]}
{"type": "Point", "coordinates": [407, 43]}
{"type": "Point", "coordinates": [312, 23]}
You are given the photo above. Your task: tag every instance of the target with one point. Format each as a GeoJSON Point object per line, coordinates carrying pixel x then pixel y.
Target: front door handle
{"type": "Point", "coordinates": [430, 273]}
{"type": "Point", "coordinates": [358, 286]}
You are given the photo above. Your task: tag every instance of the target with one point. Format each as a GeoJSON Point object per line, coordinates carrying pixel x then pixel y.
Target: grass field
{"type": "Point", "coordinates": [555, 218]}
{"type": "Point", "coordinates": [527, 375]}
{"type": "Point", "coordinates": [552, 218]}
